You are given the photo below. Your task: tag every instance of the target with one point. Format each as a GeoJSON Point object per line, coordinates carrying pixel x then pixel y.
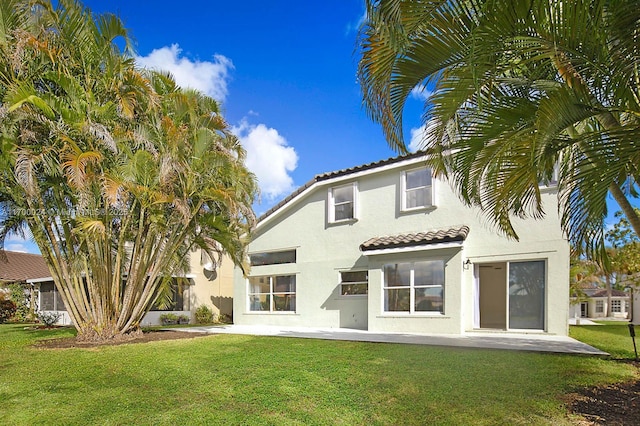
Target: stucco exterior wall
{"type": "Point", "coordinates": [325, 249]}
{"type": "Point", "coordinates": [211, 288]}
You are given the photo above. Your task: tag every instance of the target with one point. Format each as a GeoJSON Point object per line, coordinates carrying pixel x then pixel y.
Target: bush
{"type": "Point", "coordinates": [7, 309]}
{"type": "Point", "coordinates": [225, 319]}
{"type": "Point", "coordinates": [204, 315]}
{"type": "Point", "coordinates": [21, 299]}
{"type": "Point", "coordinates": [48, 319]}
{"type": "Point", "coordinates": [183, 319]}
{"type": "Point", "coordinates": [169, 319]}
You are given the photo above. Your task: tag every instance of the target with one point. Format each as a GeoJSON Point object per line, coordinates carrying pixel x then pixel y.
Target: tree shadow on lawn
{"type": "Point", "coordinates": [147, 336]}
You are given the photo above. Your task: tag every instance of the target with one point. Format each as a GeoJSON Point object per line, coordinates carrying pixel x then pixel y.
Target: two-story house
{"type": "Point", "coordinates": [387, 247]}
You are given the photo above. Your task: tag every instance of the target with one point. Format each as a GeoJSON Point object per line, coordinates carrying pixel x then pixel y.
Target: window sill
{"type": "Point", "coordinates": [413, 315]}
{"type": "Point", "coordinates": [270, 313]}
{"type": "Point", "coordinates": [418, 210]}
{"type": "Point", "coordinates": [351, 296]}
{"type": "Point", "coordinates": [343, 222]}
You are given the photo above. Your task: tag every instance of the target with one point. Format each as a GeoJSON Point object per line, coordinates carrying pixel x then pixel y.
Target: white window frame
{"type": "Point", "coordinates": [616, 306]}
{"type": "Point", "coordinates": [412, 289]}
{"type": "Point", "coordinates": [599, 306]}
{"type": "Point", "coordinates": [331, 206]}
{"type": "Point", "coordinates": [403, 190]}
{"type": "Point", "coordinates": [271, 293]}
{"type": "Point", "coordinates": [365, 283]}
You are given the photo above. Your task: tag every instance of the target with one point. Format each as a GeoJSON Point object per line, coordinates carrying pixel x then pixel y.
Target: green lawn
{"type": "Point", "coordinates": [228, 379]}
{"type": "Point", "coordinates": [610, 336]}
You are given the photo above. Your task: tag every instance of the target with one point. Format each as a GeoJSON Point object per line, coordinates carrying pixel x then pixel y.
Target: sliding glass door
{"type": "Point", "coordinates": [526, 295]}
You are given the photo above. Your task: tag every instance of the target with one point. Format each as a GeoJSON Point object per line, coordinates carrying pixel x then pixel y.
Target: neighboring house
{"type": "Point", "coordinates": [204, 285]}
{"type": "Point", "coordinates": [387, 247]}
{"type": "Point", "coordinates": [595, 301]}
{"type": "Point", "coordinates": [17, 267]}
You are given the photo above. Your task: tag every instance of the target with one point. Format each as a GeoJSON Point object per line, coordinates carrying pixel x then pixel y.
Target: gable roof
{"type": "Point", "coordinates": [416, 239]}
{"type": "Point", "coordinates": [18, 266]}
{"type": "Point", "coordinates": [338, 174]}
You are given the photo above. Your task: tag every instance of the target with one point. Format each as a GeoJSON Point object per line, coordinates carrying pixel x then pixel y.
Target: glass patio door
{"type": "Point", "coordinates": [526, 295]}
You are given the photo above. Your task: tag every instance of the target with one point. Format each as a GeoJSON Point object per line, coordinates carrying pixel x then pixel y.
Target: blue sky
{"type": "Point", "coordinates": [284, 72]}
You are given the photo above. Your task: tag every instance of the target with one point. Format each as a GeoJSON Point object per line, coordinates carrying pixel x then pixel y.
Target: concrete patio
{"type": "Point", "coordinates": [535, 342]}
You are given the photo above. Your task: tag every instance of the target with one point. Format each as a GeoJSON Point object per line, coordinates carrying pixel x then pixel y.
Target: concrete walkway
{"type": "Point", "coordinates": [521, 342]}
{"type": "Point", "coordinates": [583, 321]}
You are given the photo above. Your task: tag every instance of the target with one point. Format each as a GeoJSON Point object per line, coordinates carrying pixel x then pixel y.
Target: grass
{"type": "Point", "coordinates": [227, 379]}
{"type": "Point", "coordinates": [610, 336]}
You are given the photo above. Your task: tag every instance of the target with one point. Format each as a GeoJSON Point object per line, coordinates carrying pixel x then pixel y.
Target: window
{"type": "Point", "coordinates": [616, 306]}
{"type": "Point", "coordinates": [599, 306]}
{"type": "Point", "coordinates": [414, 287]}
{"type": "Point", "coordinates": [272, 293]}
{"type": "Point", "coordinates": [342, 203]}
{"type": "Point", "coordinates": [416, 189]}
{"type": "Point", "coordinates": [50, 299]}
{"type": "Point", "coordinates": [354, 282]}
{"type": "Point", "coordinates": [626, 306]}
{"type": "Point", "coordinates": [273, 258]}
{"type": "Point", "coordinates": [178, 300]}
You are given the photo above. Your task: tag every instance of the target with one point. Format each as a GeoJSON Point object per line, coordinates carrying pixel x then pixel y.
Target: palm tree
{"type": "Point", "coordinates": [522, 91]}
{"type": "Point", "coordinates": [117, 172]}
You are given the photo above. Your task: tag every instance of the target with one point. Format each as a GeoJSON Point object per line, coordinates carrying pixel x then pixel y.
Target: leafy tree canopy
{"type": "Point", "coordinates": [117, 172]}
{"type": "Point", "coordinates": [524, 92]}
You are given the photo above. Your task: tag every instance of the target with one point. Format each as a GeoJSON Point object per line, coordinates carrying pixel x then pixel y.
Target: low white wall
{"type": "Point", "coordinates": [150, 319]}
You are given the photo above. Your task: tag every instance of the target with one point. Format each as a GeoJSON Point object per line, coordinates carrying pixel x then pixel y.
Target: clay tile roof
{"type": "Point", "coordinates": [416, 239]}
{"type": "Point", "coordinates": [22, 266]}
{"type": "Point", "coordinates": [614, 293]}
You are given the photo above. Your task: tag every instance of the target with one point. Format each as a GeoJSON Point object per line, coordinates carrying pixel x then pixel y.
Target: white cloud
{"type": "Point", "coordinates": [20, 248]}
{"type": "Point", "coordinates": [354, 27]}
{"type": "Point", "coordinates": [15, 242]}
{"type": "Point", "coordinates": [418, 136]}
{"type": "Point", "coordinates": [269, 157]}
{"type": "Point", "coordinates": [208, 77]}
{"type": "Point", "coordinates": [421, 92]}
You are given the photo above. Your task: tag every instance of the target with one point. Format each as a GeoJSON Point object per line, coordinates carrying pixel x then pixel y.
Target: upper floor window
{"type": "Point", "coordinates": [273, 258]}
{"type": "Point", "coordinates": [417, 189]}
{"type": "Point", "coordinates": [342, 203]}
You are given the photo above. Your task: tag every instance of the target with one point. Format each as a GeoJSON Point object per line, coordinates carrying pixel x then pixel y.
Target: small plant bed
{"type": "Point", "coordinates": [614, 404]}
{"type": "Point", "coordinates": [617, 404]}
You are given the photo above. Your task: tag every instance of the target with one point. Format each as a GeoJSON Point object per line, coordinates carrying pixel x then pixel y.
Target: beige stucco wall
{"type": "Point", "coordinates": [211, 288]}
{"type": "Point", "coordinates": [323, 250]}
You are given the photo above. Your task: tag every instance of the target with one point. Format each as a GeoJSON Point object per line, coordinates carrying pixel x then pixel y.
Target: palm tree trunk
{"type": "Point", "coordinates": [627, 208]}
{"type": "Point", "coordinates": [608, 281]}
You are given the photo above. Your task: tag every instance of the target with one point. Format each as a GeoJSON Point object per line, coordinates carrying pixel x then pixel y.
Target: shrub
{"type": "Point", "coordinates": [21, 299]}
{"type": "Point", "coordinates": [183, 319]}
{"type": "Point", "coordinates": [48, 319]}
{"type": "Point", "coordinates": [168, 319]}
{"type": "Point", "coordinates": [204, 315]}
{"type": "Point", "coordinates": [7, 309]}
{"type": "Point", "coordinates": [225, 319]}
